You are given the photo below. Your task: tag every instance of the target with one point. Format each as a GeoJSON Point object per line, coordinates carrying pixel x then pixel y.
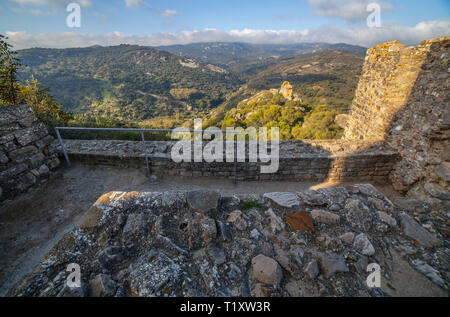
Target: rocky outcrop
{"type": "Point", "coordinates": [27, 152]}
{"type": "Point", "coordinates": [159, 244]}
{"type": "Point", "coordinates": [287, 91]}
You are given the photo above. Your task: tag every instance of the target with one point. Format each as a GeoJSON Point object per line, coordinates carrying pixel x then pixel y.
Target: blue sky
{"type": "Point", "coordinates": [149, 22]}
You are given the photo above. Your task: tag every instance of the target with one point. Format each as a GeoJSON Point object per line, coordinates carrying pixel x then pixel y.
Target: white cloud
{"type": "Point", "coordinates": [61, 3]}
{"type": "Point", "coordinates": [38, 2]}
{"type": "Point", "coordinates": [84, 3]}
{"type": "Point", "coordinates": [363, 36]}
{"type": "Point", "coordinates": [168, 13]}
{"type": "Point", "coordinates": [349, 10]}
{"type": "Point", "coordinates": [135, 3]}
{"type": "Point", "coordinates": [35, 12]}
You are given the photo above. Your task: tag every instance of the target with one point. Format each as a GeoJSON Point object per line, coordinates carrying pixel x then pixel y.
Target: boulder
{"type": "Point", "coordinates": [325, 217]}
{"type": "Point", "coordinates": [203, 201]}
{"type": "Point", "coordinates": [312, 270]}
{"type": "Point", "coordinates": [413, 230]}
{"type": "Point", "coordinates": [331, 264]}
{"type": "Point", "coordinates": [443, 171]}
{"type": "Point", "coordinates": [428, 271]}
{"type": "Point", "coordinates": [102, 286]}
{"type": "Point", "coordinates": [347, 237]}
{"type": "Point", "coordinates": [283, 200]}
{"type": "Point", "coordinates": [363, 245]}
{"type": "Point", "coordinates": [266, 270]}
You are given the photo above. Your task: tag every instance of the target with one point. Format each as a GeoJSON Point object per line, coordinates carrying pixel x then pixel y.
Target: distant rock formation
{"type": "Point", "coordinates": [287, 91]}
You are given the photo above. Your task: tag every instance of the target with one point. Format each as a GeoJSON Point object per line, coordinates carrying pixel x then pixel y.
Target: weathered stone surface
{"type": "Point", "coordinates": [363, 245]}
{"type": "Point", "coordinates": [276, 224]}
{"type": "Point", "coordinates": [312, 270]}
{"type": "Point", "coordinates": [409, 204]}
{"type": "Point", "coordinates": [428, 271]}
{"type": "Point", "coordinates": [347, 237]}
{"type": "Point", "coordinates": [32, 134]}
{"type": "Point", "coordinates": [443, 171]}
{"type": "Point", "coordinates": [201, 229]}
{"type": "Point", "coordinates": [325, 217]}
{"type": "Point", "coordinates": [301, 221]}
{"type": "Point", "coordinates": [20, 155]}
{"type": "Point", "coordinates": [23, 154]}
{"type": "Point", "coordinates": [266, 270]}
{"type": "Point", "coordinates": [111, 256]}
{"type": "Point", "coordinates": [400, 100]}
{"type": "Point", "coordinates": [312, 198]}
{"type": "Point", "coordinates": [136, 224]}
{"type": "Point", "coordinates": [315, 157]}
{"type": "Point", "coordinates": [183, 253]}
{"type": "Point", "coordinates": [331, 264]}
{"type": "Point", "coordinates": [203, 201]}
{"type": "Point", "coordinates": [224, 232]}
{"type": "Point", "coordinates": [283, 200]}
{"type": "Point", "coordinates": [217, 253]}
{"type": "Point", "coordinates": [358, 214]}
{"type": "Point", "coordinates": [102, 286]}
{"type": "Point", "coordinates": [237, 219]}
{"type": "Point", "coordinates": [386, 218]}
{"type": "Point", "coordinates": [437, 191]}
{"type": "Point", "coordinates": [415, 231]}
{"type": "Point", "coordinates": [152, 273]}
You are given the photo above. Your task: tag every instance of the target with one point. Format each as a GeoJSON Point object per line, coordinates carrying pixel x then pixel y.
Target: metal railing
{"type": "Point", "coordinates": [142, 131]}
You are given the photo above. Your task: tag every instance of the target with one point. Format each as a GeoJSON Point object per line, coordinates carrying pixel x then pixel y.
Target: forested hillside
{"type": "Point", "coordinates": [139, 86]}
{"type": "Point", "coordinates": [127, 82]}
{"type": "Point", "coordinates": [328, 77]}
{"type": "Point", "coordinates": [228, 54]}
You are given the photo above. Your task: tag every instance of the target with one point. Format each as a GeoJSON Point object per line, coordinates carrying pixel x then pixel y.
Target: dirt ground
{"type": "Point", "coordinates": [33, 222]}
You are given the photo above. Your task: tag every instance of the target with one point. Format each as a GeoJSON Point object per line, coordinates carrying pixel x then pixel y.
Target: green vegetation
{"type": "Point", "coordinates": [232, 54]}
{"type": "Point", "coordinates": [128, 83]}
{"type": "Point", "coordinates": [295, 119]}
{"type": "Point", "coordinates": [250, 205]}
{"type": "Point", "coordinates": [141, 87]}
{"type": "Point", "coordinates": [32, 93]}
{"type": "Point", "coordinates": [328, 77]}
{"type": "Point", "coordinates": [9, 65]}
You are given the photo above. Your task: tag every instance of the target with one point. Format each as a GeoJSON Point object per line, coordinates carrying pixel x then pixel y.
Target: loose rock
{"type": "Point", "coordinates": [266, 270]}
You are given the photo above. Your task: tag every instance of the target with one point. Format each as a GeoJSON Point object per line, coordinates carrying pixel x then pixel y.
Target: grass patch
{"type": "Point", "coordinates": [252, 204]}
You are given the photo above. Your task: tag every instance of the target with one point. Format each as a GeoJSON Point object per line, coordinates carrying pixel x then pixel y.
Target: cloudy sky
{"type": "Point", "coordinates": [42, 23]}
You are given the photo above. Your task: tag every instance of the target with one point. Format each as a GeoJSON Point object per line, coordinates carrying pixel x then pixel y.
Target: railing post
{"type": "Point", "coordinates": [62, 147]}
{"type": "Point", "coordinates": [146, 154]}
{"type": "Point", "coordinates": [235, 158]}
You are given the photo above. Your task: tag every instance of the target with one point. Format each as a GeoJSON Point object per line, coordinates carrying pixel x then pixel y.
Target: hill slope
{"type": "Point", "coordinates": [227, 54]}
{"type": "Point", "coordinates": [328, 77]}
{"type": "Point", "coordinates": [127, 82]}
{"type": "Point", "coordinates": [145, 86]}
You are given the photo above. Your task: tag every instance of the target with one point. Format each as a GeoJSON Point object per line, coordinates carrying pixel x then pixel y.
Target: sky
{"type": "Point", "coordinates": [43, 23]}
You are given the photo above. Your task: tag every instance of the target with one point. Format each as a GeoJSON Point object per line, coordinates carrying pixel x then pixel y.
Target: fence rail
{"type": "Point", "coordinates": [141, 131]}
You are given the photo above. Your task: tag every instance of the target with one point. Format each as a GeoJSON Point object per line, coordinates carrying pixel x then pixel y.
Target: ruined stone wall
{"type": "Point", "coordinates": [403, 98]}
{"type": "Point", "coordinates": [27, 152]}
{"type": "Point", "coordinates": [335, 160]}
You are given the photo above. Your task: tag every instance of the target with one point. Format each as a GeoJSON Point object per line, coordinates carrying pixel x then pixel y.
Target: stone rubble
{"type": "Point", "coordinates": [157, 244]}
